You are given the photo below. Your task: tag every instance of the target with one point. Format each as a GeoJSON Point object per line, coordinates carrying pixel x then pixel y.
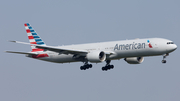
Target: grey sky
{"type": "Point", "coordinates": [63, 22]}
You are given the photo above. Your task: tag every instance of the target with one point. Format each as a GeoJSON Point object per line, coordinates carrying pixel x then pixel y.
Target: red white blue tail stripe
{"type": "Point", "coordinates": [33, 37]}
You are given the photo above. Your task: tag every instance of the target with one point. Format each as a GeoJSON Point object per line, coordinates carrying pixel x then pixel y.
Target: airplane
{"type": "Point", "coordinates": [132, 51]}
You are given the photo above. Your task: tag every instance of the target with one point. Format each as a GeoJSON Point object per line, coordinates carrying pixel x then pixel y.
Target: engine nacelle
{"type": "Point", "coordinates": [96, 56]}
{"type": "Point", "coordinates": [134, 60]}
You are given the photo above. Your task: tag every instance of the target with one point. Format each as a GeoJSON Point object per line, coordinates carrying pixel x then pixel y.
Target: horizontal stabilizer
{"type": "Point", "coordinates": [19, 42]}
{"type": "Point", "coordinates": [22, 52]}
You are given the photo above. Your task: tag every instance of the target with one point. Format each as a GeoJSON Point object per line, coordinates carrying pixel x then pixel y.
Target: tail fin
{"type": "Point", "coordinates": [34, 38]}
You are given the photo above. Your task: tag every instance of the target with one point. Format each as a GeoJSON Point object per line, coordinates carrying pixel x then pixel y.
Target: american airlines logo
{"type": "Point", "coordinates": [149, 44]}
{"type": "Point", "coordinates": [129, 46]}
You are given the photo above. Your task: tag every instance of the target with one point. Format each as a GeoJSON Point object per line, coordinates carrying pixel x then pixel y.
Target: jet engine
{"type": "Point", "coordinates": [96, 56]}
{"type": "Point", "coordinates": [134, 60]}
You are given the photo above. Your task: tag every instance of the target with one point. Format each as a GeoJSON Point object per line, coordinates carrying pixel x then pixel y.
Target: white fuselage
{"type": "Point", "coordinates": [120, 49]}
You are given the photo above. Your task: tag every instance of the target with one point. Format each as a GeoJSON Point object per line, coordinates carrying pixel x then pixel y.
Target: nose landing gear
{"type": "Point", "coordinates": [164, 56]}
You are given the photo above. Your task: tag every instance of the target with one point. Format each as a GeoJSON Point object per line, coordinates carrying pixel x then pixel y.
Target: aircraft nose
{"type": "Point", "coordinates": [173, 47]}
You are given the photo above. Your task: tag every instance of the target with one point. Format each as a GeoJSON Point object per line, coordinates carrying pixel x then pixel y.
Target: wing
{"type": "Point", "coordinates": [60, 50]}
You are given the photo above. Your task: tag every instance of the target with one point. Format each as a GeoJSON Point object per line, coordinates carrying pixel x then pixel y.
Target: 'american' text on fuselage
{"type": "Point", "coordinates": [129, 46]}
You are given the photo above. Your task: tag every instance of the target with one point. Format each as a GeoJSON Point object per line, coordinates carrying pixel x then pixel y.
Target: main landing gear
{"type": "Point", "coordinates": [86, 66]}
{"type": "Point", "coordinates": [164, 56]}
{"type": "Point", "coordinates": [108, 66]}
{"type": "Point", "coordinates": [105, 68]}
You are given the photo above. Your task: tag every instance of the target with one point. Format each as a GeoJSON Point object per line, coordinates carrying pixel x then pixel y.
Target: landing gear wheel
{"type": "Point", "coordinates": [103, 68]}
{"type": "Point", "coordinates": [86, 66]}
{"type": "Point", "coordinates": [90, 65]}
{"type": "Point", "coordinates": [108, 66]}
{"type": "Point", "coordinates": [163, 61]}
{"type": "Point", "coordinates": [112, 66]}
{"type": "Point", "coordinates": [82, 68]}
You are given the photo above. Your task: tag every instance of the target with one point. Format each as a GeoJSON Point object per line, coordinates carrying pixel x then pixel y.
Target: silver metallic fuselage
{"type": "Point", "coordinates": [120, 49]}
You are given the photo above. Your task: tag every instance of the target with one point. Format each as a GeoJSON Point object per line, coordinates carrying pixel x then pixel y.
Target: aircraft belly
{"type": "Point", "coordinates": [136, 53]}
{"type": "Point", "coordinates": [59, 58]}
{"type": "Point", "coordinates": [127, 53]}
{"type": "Point", "coordinates": [63, 58]}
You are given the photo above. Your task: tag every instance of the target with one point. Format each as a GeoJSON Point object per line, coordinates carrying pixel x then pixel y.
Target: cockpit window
{"type": "Point", "coordinates": [170, 42]}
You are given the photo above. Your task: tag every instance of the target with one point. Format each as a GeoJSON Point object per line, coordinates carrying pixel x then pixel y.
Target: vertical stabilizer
{"type": "Point", "coordinates": [34, 38]}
